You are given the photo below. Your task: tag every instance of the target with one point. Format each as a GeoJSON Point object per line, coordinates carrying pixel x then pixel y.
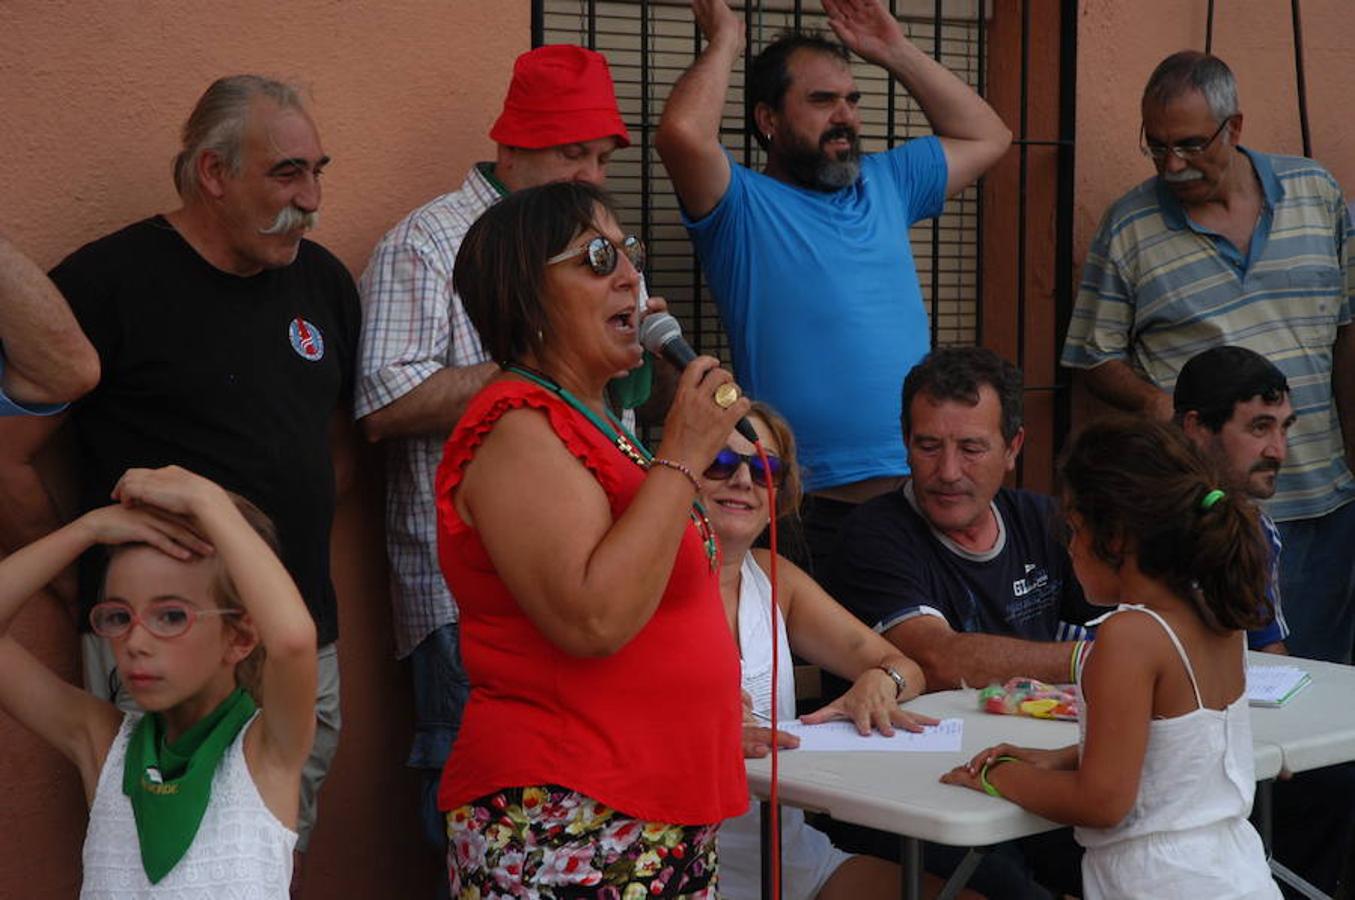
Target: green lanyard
{"type": "Point", "coordinates": [627, 443]}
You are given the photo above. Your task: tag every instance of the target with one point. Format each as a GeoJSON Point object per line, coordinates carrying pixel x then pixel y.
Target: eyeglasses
{"type": "Point", "coordinates": [727, 462]}
{"type": "Point", "coordinates": [1184, 150]}
{"type": "Point", "coordinates": [602, 256]}
{"type": "Point", "coordinates": [164, 619]}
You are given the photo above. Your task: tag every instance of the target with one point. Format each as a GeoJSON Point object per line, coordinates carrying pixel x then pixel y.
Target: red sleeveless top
{"type": "Point", "coordinates": [654, 729]}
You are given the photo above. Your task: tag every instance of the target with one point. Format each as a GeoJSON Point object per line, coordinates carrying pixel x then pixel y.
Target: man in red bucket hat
{"type": "Point", "coordinates": [420, 359]}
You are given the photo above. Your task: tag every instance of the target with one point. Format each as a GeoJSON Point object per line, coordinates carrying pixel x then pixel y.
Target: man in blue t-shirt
{"type": "Point", "coordinates": [809, 260]}
{"type": "Point", "coordinates": [45, 359]}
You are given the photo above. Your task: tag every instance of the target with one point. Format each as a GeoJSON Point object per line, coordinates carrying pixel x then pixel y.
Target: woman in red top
{"type": "Point", "coordinates": [601, 742]}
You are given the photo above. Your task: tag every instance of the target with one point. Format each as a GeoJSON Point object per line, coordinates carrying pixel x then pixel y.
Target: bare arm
{"type": "Point", "coordinates": [1343, 387]}
{"type": "Point", "coordinates": [27, 511]}
{"type": "Point", "coordinates": [688, 138]}
{"type": "Point", "coordinates": [1099, 792]}
{"type": "Point", "coordinates": [271, 601]}
{"type": "Point", "coordinates": [1119, 385]}
{"type": "Point", "coordinates": [80, 726]}
{"type": "Point", "coordinates": [48, 359]}
{"type": "Point", "coordinates": [824, 633]}
{"type": "Point", "coordinates": [574, 571]}
{"type": "Point", "coordinates": [433, 408]}
{"type": "Point", "coordinates": [952, 659]}
{"type": "Point", "coordinates": [972, 135]}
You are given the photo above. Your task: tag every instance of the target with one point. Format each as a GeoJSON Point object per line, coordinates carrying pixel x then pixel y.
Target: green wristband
{"type": "Point", "coordinates": [983, 776]}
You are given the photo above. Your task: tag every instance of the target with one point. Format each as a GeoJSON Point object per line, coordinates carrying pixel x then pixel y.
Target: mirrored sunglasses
{"type": "Point", "coordinates": [601, 256]}
{"type": "Point", "coordinates": [727, 462]}
{"type": "Point", "coordinates": [164, 619]}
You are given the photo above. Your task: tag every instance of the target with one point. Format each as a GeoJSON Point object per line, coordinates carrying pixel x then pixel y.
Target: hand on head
{"type": "Point", "coordinates": [155, 507]}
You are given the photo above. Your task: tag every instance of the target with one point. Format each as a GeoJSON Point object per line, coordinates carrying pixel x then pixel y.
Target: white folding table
{"type": "Point", "coordinates": [901, 793]}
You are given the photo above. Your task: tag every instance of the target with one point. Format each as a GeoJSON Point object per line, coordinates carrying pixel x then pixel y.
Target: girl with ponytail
{"type": "Point", "coordinates": [1160, 785]}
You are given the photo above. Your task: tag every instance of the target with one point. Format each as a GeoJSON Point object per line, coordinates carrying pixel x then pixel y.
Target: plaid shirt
{"type": "Point", "coordinates": [413, 324]}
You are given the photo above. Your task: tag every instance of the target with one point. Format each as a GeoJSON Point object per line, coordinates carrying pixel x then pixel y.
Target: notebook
{"type": "Point", "coordinates": [1274, 685]}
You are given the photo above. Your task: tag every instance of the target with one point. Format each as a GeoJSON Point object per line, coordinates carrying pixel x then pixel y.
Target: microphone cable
{"type": "Point", "coordinates": [773, 794]}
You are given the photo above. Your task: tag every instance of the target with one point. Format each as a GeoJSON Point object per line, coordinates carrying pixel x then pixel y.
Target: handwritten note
{"type": "Point", "coordinates": [944, 737]}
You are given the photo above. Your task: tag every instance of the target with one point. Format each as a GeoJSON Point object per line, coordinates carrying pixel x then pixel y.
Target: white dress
{"type": "Point", "coordinates": [1187, 835]}
{"type": "Point", "coordinates": [241, 850]}
{"type": "Point", "coordinates": [808, 858]}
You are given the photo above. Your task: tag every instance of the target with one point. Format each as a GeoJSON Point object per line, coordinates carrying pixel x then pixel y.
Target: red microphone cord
{"type": "Point", "coordinates": [774, 815]}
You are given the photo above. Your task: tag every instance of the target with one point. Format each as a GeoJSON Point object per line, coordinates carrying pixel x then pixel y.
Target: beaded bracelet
{"type": "Point", "coordinates": [983, 776]}
{"type": "Point", "coordinates": [678, 467]}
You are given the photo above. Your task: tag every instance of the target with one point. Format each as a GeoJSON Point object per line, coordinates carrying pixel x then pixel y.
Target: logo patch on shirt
{"type": "Point", "coordinates": [306, 339]}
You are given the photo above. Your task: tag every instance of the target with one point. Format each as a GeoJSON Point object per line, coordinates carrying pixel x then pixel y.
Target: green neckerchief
{"type": "Point", "coordinates": [169, 784]}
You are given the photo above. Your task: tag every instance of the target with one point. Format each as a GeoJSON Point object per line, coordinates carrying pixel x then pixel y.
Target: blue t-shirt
{"type": "Point", "coordinates": [819, 295]}
{"type": "Point", "coordinates": [1277, 629]}
{"type": "Point", "coordinates": [9, 407]}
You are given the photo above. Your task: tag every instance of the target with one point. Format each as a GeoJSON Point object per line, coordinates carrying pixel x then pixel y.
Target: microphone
{"type": "Point", "coordinates": [661, 335]}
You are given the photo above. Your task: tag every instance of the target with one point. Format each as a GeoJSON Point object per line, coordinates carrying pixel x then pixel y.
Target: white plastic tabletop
{"type": "Point", "coordinates": [901, 792]}
{"type": "Point", "coordinates": [1316, 727]}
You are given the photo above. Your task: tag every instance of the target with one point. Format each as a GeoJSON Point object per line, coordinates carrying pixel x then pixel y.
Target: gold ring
{"type": "Point", "coordinates": [726, 395]}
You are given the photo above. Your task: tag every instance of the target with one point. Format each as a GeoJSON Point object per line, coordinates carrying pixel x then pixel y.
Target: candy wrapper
{"type": "Point", "coordinates": [1028, 697]}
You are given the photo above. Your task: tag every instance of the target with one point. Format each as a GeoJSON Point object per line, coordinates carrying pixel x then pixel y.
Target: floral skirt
{"type": "Point", "coordinates": [549, 841]}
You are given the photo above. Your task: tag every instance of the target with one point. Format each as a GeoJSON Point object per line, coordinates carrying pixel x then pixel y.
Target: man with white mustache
{"type": "Point", "coordinates": [809, 261]}
{"type": "Point", "coordinates": [227, 346]}
{"type": "Point", "coordinates": [1227, 245]}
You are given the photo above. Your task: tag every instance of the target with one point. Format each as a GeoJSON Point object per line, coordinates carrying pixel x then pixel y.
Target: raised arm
{"type": "Point", "coordinates": [79, 725]}
{"type": "Point", "coordinates": [952, 659]}
{"type": "Point", "coordinates": [47, 357]}
{"type": "Point", "coordinates": [971, 133]}
{"type": "Point", "coordinates": [688, 139]}
{"type": "Point", "coordinates": [269, 596]}
{"type": "Point", "coordinates": [587, 581]}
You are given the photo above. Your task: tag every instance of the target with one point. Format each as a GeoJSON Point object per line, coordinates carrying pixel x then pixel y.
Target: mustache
{"type": "Point", "coordinates": [1183, 176]}
{"type": "Point", "coordinates": [1266, 465]}
{"type": "Point", "coordinates": [289, 219]}
{"type": "Point", "coordinates": [839, 131]}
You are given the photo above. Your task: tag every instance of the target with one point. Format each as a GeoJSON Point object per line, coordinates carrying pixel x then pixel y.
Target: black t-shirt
{"type": "Point", "coordinates": [890, 566]}
{"type": "Point", "coordinates": [233, 378]}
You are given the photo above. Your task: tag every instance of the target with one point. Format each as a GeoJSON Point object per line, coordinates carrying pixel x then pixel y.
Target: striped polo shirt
{"type": "Point", "coordinates": [1158, 288]}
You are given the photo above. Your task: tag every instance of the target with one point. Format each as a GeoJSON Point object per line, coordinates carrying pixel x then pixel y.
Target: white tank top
{"type": "Point", "coordinates": [1197, 769]}
{"type": "Point", "coordinates": [755, 644]}
{"type": "Point", "coordinates": [241, 849]}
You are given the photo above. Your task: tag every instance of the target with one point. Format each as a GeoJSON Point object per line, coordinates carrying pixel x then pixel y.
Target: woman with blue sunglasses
{"type": "Point", "coordinates": [816, 628]}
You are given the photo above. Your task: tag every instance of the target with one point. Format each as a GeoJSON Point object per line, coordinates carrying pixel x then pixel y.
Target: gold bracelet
{"type": "Point", "coordinates": [677, 467]}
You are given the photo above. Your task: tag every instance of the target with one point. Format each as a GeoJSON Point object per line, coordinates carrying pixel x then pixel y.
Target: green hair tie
{"type": "Point", "coordinates": [1211, 498]}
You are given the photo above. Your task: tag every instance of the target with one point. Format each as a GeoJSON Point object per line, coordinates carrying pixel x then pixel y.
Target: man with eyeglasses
{"type": "Point", "coordinates": [1227, 245]}
{"type": "Point", "coordinates": [420, 361]}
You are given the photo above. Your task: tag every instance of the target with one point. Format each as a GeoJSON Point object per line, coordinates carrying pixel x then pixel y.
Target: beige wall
{"type": "Point", "coordinates": [1119, 44]}
{"type": "Point", "coordinates": [93, 94]}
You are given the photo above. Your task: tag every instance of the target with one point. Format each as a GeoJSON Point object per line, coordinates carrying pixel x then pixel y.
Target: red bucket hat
{"type": "Point", "coordinates": [560, 94]}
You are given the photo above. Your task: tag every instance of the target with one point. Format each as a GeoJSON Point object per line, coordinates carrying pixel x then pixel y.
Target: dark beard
{"type": "Point", "coordinates": [812, 168]}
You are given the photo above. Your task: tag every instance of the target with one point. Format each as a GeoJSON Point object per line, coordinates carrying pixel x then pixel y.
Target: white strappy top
{"type": "Point", "coordinates": [1197, 769]}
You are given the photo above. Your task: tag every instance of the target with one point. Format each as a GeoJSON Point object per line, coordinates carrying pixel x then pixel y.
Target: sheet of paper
{"type": "Point", "coordinates": [1274, 685]}
{"type": "Point", "coordinates": [940, 738]}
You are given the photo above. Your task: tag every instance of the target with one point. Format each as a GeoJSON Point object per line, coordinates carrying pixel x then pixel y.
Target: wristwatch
{"type": "Point", "coordinates": [900, 683]}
